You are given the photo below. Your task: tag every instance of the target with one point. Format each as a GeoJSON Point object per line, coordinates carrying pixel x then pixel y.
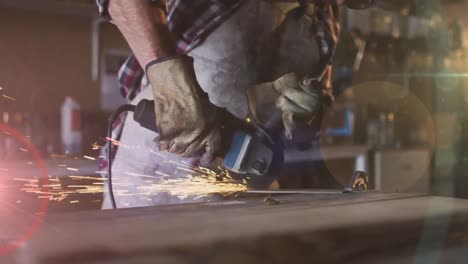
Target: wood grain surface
{"type": "Point", "coordinates": [356, 228]}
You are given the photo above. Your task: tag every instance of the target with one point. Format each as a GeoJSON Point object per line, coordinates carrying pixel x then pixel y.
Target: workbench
{"type": "Point", "coordinates": [306, 228]}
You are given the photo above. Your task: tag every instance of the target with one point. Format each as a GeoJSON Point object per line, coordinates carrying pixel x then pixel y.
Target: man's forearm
{"type": "Point", "coordinates": [143, 29]}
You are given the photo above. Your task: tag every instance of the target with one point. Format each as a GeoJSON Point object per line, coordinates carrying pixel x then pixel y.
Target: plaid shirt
{"type": "Point", "coordinates": [189, 20]}
{"type": "Point", "coordinates": [192, 20]}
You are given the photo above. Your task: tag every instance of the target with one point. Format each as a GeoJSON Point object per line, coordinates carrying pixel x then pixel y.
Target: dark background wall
{"type": "Point", "coordinates": [45, 57]}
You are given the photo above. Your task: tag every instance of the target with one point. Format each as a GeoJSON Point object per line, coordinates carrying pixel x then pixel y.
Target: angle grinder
{"type": "Point", "coordinates": [250, 152]}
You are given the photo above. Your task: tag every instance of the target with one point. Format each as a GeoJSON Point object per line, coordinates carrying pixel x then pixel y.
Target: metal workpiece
{"type": "Point", "coordinates": [294, 191]}
{"type": "Point", "coordinates": [358, 183]}
{"type": "Point", "coordinates": [270, 200]}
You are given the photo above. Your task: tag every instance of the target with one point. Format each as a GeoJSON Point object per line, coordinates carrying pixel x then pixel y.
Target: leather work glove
{"type": "Point", "coordinates": [188, 124]}
{"type": "Point", "coordinates": [301, 103]}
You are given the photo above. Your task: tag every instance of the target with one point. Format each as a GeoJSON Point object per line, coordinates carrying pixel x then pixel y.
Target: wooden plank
{"type": "Point", "coordinates": [302, 228]}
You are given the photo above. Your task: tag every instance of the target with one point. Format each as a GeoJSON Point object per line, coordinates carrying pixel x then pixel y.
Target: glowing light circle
{"type": "Point", "coordinates": [43, 181]}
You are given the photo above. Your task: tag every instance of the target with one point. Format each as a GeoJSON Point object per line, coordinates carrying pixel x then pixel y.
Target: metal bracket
{"type": "Point", "coordinates": [359, 182]}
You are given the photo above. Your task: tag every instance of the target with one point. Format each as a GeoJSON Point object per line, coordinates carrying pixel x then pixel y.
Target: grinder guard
{"type": "Point", "coordinates": [255, 159]}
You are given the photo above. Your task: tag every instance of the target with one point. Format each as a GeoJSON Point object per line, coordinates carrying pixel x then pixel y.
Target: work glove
{"type": "Point", "coordinates": [300, 101]}
{"type": "Point", "coordinates": [187, 122]}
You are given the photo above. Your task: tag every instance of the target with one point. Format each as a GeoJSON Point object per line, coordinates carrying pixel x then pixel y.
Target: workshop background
{"type": "Point", "coordinates": [400, 82]}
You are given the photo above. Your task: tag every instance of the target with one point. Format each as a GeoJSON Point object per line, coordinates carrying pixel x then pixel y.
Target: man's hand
{"type": "Point", "coordinates": [188, 124]}
{"type": "Point", "coordinates": [300, 101]}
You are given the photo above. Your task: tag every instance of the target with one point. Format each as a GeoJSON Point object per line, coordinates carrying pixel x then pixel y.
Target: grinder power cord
{"type": "Point", "coordinates": [111, 120]}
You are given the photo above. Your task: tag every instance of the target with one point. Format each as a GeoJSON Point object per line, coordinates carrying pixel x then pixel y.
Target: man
{"type": "Point", "coordinates": [208, 55]}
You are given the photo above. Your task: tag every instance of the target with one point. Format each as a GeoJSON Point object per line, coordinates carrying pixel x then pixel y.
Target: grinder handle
{"type": "Point", "coordinates": [145, 116]}
{"type": "Point", "coordinates": [274, 124]}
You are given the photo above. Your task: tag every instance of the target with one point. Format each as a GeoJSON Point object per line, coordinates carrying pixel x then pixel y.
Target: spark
{"type": "Point", "coordinates": [9, 98]}
{"type": "Point", "coordinates": [28, 180]}
{"type": "Point", "coordinates": [87, 178]}
{"type": "Point", "coordinates": [187, 170]}
{"type": "Point", "coordinates": [159, 154]}
{"type": "Point", "coordinates": [23, 149]}
{"type": "Point", "coordinates": [180, 163]}
{"type": "Point", "coordinates": [186, 163]}
{"type": "Point", "coordinates": [197, 186]}
{"type": "Point", "coordinates": [95, 146]}
{"type": "Point", "coordinates": [141, 175]}
{"type": "Point", "coordinates": [116, 142]}
{"type": "Point", "coordinates": [162, 174]}
{"type": "Point", "coordinates": [77, 186]}
{"type": "Point", "coordinates": [53, 185]}
{"type": "Point", "coordinates": [75, 201]}
{"type": "Point", "coordinates": [60, 191]}
{"type": "Point", "coordinates": [200, 196]}
{"type": "Point", "coordinates": [88, 189]}
{"type": "Point", "coordinates": [54, 156]}
{"type": "Point", "coordinates": [193, 182]}
{"type": "Point", "coordinates": [88, 157]}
